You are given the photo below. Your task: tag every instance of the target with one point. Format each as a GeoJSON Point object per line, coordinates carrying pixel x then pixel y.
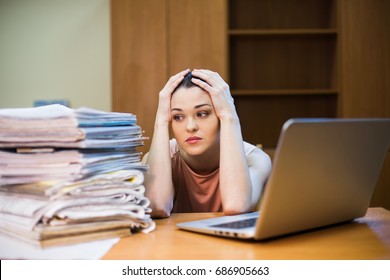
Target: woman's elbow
{"type": "Point", "coordinates": [236, 210]}
{"type": "Point", "coordinates": [160, 210]}
{"type": "Point", "coordinates": [160, 214]}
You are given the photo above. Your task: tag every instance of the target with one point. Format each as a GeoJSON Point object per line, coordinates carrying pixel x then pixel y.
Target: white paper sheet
{"type": "Point", "coordinates": [14, 249]}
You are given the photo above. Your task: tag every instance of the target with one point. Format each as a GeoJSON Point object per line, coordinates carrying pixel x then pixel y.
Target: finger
{"type": "Point", "coordinates": [213, 78]}
{"type": "Point", "coordinates": [215, 82]}
{"type": "Point", "coordinates": [175, 80]}
{"type": "Point", "coordinates": [179, 75]}
{"type": "Point", "coordinates": [205, 86]}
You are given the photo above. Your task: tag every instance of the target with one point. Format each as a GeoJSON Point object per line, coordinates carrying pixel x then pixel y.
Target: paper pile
{"type": "Point", "coordinates": [70, 175]}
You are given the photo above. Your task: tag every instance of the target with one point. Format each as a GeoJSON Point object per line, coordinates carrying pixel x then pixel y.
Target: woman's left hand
{"type": "Point", "coordinates": [218, 90]}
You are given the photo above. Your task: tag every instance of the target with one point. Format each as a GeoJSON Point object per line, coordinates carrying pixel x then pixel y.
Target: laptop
{"type": "Point", "coordinates": [324, 173]}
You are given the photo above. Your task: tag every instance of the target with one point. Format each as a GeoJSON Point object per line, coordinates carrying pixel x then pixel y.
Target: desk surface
{"type": "Point", "coordinates": [365, 238]}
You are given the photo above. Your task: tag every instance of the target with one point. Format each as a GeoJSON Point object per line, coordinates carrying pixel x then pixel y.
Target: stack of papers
{"type": "Point", "coordinates": [58, 126]}
{"type": "Point", "coordinates": [70, 175]}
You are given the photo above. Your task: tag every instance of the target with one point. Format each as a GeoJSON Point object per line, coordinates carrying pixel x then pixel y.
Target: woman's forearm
{"type": "Point", "coordinates": [235, 182]}
{"type": "Point", "coordinates": [158, 179]}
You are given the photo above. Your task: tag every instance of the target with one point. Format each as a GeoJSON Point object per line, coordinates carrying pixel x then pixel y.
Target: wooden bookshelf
{"type": "Point", "coordinates": [283, 63]}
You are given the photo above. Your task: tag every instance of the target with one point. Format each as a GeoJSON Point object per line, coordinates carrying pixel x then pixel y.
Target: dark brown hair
{"type": "Point", "coordinates": [187, 83]}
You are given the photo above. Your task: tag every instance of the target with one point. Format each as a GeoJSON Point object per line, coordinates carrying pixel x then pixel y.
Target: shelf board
{"type": "Point", "coordinates": [276, 92]}
{"type": "Point", "coordinates": [282, 32]}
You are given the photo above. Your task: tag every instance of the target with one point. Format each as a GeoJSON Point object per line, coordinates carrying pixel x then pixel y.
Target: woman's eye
{"type": "Point", "coordinates": [177, 117]}
{"type": "Point", "coordinates": [202, 114]}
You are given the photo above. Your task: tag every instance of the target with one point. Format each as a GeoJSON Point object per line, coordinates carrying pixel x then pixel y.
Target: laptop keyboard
{"type": "Point", "coordinates": [238, 224]}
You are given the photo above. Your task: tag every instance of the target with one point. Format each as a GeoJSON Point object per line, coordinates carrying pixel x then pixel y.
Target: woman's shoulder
{"type": "Point", "coordinates": [256, 156]}
{"type": "Point", "coordinates": [249, 148]}
{"type": "Point", "coordinates": [253, 152]}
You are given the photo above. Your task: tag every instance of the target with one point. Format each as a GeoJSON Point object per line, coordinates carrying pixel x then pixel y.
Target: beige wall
{"type": "Point", "coordinates": [55, 49]}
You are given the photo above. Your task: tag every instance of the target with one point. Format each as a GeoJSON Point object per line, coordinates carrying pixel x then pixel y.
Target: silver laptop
{"type": "Point", "coordinates": [324, 173]}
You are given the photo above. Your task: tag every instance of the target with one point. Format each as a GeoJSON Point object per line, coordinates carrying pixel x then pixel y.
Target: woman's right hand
{"type": "Point", "coordinates": [164, 101]}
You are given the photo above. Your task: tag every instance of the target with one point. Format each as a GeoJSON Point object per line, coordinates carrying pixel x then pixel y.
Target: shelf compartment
{"type": "Point", "coordinates": [268, 63]}
{"type": "Point", "coordinates": [282, 14]}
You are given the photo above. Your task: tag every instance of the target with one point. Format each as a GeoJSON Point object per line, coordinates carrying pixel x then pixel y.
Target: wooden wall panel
{"type": "Point", "coordinates": [365, 26]}
{"type": "Point", "coordinates": [197, 35]}
{"type": "Point", "coordinates": [365, 87]}
{"type": "Point", "coordinates": [139, 61]}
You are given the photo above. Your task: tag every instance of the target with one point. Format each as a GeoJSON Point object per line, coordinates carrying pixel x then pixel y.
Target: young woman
{"type": "Point", "coordinates": [206, 167]}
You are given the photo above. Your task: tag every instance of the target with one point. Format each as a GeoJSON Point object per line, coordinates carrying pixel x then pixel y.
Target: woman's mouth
{"type": "Point", "coordinates": [193, 140]}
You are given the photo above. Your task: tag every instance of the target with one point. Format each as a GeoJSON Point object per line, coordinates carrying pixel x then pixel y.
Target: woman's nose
{"type": "Point", "coordinates": [191, 125]}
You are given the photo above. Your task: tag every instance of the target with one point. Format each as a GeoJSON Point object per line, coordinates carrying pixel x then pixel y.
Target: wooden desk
{"type": "Point", "coordinates": [366, 238]}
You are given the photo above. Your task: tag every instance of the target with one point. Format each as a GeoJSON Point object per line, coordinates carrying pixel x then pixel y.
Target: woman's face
{"type": "Point", "coordinates": [194, 122]}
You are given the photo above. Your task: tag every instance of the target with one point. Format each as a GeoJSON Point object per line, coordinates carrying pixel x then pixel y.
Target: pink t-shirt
{"type": "Point", "coordinates": [195, 192]}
